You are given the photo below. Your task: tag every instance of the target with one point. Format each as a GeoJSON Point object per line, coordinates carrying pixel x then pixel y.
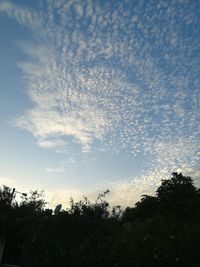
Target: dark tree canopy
{"type": "Point", "coordinates": [161, 230]}
{"type": "Point", "coordinates": [178, 187]}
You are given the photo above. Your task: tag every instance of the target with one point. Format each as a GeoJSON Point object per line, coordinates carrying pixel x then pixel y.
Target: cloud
{"type": "Point", "coordinates": [56, 143]}
{"type": "Point", "coordinates": [25, 17]}
{"type": "Point", "coordinates": [57, 169]}
{"type": "Point", "coordinates": [126, 77]}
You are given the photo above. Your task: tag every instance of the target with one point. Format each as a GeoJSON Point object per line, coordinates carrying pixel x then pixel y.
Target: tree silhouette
{"type": "Point", "coordinates": [178, 187]}
{"type": "Point", "coordinates": [160, 230]}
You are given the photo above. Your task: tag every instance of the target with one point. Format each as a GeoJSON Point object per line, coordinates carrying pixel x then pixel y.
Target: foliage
{"type": "Point", "coordinates": [160, 230]}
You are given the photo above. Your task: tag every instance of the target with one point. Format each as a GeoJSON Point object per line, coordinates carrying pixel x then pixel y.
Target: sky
{"type": "Point", "coordinates": [98, 95]}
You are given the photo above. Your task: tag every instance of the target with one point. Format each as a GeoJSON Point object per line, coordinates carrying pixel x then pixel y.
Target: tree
{"type": "Point", "coordinates": [160, 230]}
{"type": "Point", "coordinates": [178, 187]}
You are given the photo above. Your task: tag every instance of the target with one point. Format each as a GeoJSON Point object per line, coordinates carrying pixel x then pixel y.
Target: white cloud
{"type": "Point", "coordinates": [95, 74]}
{"type": "Point", "coordinates": [57, 169]}
{"type": "Point", "coordinates": [26, 17]}
{"type": "Point", "coordinates": [56, 143]}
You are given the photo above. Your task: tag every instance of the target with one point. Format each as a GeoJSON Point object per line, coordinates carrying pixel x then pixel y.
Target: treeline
{"type": "Point", "coordinates": [161, 230]}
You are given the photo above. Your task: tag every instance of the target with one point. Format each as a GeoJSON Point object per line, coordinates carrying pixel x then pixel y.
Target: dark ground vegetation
{"type": "Point", "coordinates": [161, 230]}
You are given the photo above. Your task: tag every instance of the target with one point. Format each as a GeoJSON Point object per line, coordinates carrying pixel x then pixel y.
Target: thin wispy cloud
{"type": "Point", "coordinates": [123, 73]}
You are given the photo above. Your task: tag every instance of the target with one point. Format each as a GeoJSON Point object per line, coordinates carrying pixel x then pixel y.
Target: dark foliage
{"type": "Point", "coordinates": [161, 230]}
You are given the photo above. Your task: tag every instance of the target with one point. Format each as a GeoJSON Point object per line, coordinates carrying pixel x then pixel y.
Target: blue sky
{"type": "Point", "coordinates": [98, 94]}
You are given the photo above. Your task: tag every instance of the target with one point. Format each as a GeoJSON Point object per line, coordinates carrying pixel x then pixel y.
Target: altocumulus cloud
{"type": "Point", "coordinates": [125, 73]}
